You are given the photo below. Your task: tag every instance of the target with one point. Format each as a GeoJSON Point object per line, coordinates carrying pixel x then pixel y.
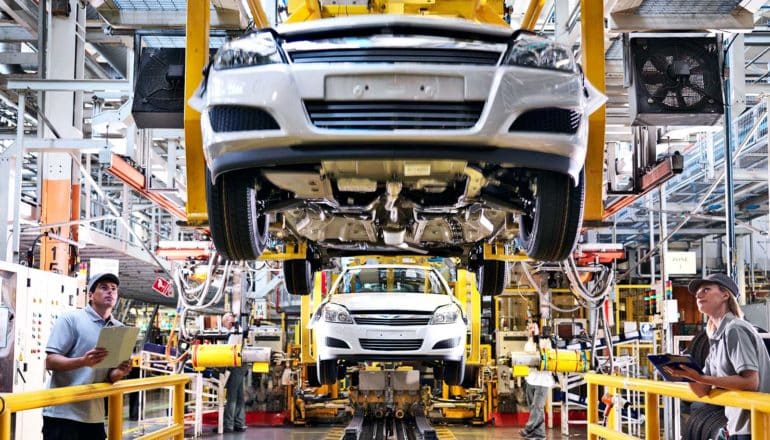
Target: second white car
{"type": "Point", "coordinates": [390, 312]}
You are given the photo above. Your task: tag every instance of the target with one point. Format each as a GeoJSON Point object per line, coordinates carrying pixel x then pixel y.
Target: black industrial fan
{"type": "Point", "coordinates": [676, 80]}
{"type": "Point", "coordinates": [159, 90]}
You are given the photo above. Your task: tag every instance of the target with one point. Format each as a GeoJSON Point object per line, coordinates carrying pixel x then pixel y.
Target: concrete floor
{"type": "Point", "coordinates": [332, 433]}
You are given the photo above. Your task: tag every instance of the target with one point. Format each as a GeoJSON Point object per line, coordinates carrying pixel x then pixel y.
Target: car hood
{"type": "Point", "coordinates": [382, 302]}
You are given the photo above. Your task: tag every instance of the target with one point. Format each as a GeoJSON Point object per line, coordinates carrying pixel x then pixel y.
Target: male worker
{"type": "Point", "coordinates": [72, 356]}
{"type": "Point", "coordinates": [235, 407]}
{"type": "Point", "coordinates": [538, 383]}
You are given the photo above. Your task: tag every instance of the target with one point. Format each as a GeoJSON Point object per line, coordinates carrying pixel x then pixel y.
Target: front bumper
{"type": "Point", "coordinates": [282, 90]}
{"type": "Point", "coordinates": [374, 342]}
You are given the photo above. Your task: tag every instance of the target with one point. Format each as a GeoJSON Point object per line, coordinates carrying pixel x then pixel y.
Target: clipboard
{"type": "Point", "coordinates": [673, 360]}
{"type": "Point", "coordinates": [119, 343]}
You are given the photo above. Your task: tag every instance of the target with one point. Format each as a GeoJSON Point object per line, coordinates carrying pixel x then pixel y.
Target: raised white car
{"type": "Point", "coordinates": [390, 312]}
{"type": "Point", "coordinates": [395, 134]}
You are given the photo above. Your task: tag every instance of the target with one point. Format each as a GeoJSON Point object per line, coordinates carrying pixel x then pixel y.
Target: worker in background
{"type": "Point", "coordinates": [235, 407]}
{"type": "Point", "coordinates": [538, 383]}
{"type": "Point", "coordinates": [737, 359]}
{"type": "Point", "coordinates": [72, 356]}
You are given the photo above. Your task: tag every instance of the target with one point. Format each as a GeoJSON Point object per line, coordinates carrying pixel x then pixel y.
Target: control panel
{"type": "Point", "coordinates": [32, 300]}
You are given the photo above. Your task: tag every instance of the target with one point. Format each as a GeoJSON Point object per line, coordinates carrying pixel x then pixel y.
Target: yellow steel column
{"type": "Point", "coordinates": [306, 11]}
{"type": "Point", "coordinates": [258, 13]}
{"type": "Point", "coordinates": [179, 407]}
{"type": "Point", "coordinates": [760, 423]}
{"type": "Point", "coordinates": [651, 414]}
{"type": "Point", "coordinates": [592, 31]}
{"type": "Point", "coordinates": [533, 12]}
{"type": "Point", "coordinates": [5, 424]}
{"type": "Point", "coordinates": [485, 13]}
{"type": "Point", "coordinates": [474, 315]}
{"type": "Point", "coordinates": [196, 57]}
{"type": "Point", "coordinates": [592, 399]}
{"type": "Point", "coordinates": [305, 311]}
{"type": "Point", "coordinates": [115, 418]}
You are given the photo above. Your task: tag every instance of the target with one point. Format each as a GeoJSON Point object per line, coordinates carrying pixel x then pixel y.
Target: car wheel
{"type": "Point", "coordinates": [471, 376]}
{"type": "Point", "coordinates": [239, 232]}
{"type": "Point", "coordinates": [550, 231]}
{"type": "Point", "coordinates": [312, 376]}
{"type": "Point", "coordinates": [490, 277]}
{"type": "Point", "coordinates": [298, 276]}
{"type": "Point", "coordinates": [327, 371]}
{"type": "Point", "coordinates": [454, 372]}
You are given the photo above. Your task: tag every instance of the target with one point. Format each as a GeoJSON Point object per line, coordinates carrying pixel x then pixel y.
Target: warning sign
{"type": "Point", "coordinates": [163, 286]}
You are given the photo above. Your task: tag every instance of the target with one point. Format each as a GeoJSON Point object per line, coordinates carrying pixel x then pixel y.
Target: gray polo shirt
{"type": "Point", "coordinates": [736, 347]}
{"type": "Point", "coordinates": [73, 334]}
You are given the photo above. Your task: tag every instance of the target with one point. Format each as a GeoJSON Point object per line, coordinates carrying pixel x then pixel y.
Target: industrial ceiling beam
{"type": "Point", "coordinates": [16, 34]}
{"type": "Point", "coordinates": [20, 16]}
{"type": "Point", "coordinates": [133, 19]}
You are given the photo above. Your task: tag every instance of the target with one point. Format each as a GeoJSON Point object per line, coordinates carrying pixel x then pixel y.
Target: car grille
{"type": "Point", "coordinates": [391, 344]}
{"type": "Point", "coordinates": [227, 118]}
{"type": "Point", "coordinates": [548, 120]}
{"type": "Point", "coordinates": [394, 115]}
{"type": "Point", "coordinates": [400, 55]}
{"type": "Point", "coordinates": [392, 321]}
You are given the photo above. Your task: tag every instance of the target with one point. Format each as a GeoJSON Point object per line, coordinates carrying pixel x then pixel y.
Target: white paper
{"type": "Point", "coordinates": [119, 343]}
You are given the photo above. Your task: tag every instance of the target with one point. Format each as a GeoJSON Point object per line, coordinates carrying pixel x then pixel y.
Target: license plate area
{"type": "Point", "coordinates": [390, 334]}
{"type": "Point", "coordinates": [394, 87]}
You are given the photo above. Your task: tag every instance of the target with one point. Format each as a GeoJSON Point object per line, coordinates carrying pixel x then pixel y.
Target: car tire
{"type": "Point", "coordinates": [312, 376]}
{"type": "Point", "coordinates": [327, 371]}
{"type": "Point", "coordinates": [703, 421]}
{"type": "Point", "coordinates": [491, 277]}
{"type": "Point", "coordinates": [298, 276]}
{"type": "Point", "coordinates": [550, 232]}
{"type": "Point", "coordinates": [454, 372]}
{"type": "Point", "coordinates": [239, 232]}
{"type": "Point", "coordinates": [471, 374]}
{"type": "Point", "coordinates": [699, 348]}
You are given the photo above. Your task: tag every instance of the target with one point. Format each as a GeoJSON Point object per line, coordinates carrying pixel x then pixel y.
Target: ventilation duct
{"type": "Point", "coordinates": [681, 15]}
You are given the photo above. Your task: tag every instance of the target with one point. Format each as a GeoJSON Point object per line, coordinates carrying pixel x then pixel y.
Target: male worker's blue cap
{"type": "Point", "coordinates": [715, 278]}
{"type": "Point", "coordinates": [104, 276]}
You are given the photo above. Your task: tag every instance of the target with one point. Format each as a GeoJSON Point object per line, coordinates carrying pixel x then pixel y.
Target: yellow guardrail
{"type": "Point", "coordinates": [757, 403]}
{"type": "Point", "coordinates": [15, 402]}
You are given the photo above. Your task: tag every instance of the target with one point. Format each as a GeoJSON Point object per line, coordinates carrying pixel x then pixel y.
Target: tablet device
{"type": "Point", "coordinates": [673, 360]}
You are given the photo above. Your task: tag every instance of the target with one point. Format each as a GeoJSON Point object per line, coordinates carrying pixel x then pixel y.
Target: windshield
{"type": "Point", "coordinates": [391, 280]}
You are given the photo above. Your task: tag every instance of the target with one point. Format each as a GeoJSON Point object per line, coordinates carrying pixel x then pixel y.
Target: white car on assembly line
{"type": "Point", "coordinates": [390, 312]}
{"type": "Point", "coordinates": [386, 134]}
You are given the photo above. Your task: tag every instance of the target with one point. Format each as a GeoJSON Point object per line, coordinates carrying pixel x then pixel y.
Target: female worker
{"type": "Point", "coordinates": [737, 360]}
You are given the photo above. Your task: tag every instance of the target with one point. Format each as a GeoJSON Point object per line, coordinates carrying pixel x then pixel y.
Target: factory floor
{"type": "Point", "coordinates": [329, 433]}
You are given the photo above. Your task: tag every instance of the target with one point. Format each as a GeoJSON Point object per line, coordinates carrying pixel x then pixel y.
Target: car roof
{"type": "Point", "coordinates": [390, 266]}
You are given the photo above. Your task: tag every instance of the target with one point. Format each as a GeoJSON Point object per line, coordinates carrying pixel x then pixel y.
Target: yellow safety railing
{"type": "Point", "coordinates": [757, 403]}
{"type": "Point", "coordinates": [16, 402]}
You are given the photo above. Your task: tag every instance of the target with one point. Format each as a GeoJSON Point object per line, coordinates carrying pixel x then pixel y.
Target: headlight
{"type": "Point", "coordinates": [257, 49]}
{"type": "Point", "coordinates": [448, 314]}
{"type": "Point", "coordinates": [337, 314]}
{"type": "Point", "coordinates": [541, 53]}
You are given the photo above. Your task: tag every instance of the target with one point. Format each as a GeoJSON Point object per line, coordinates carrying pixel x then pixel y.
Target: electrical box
{"type": "Point", "coordinates": [31, 302]}
{"type": "Point", "coordinates": [508, 341]}
{"type": "Point", "coordinates": [670, 311]}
